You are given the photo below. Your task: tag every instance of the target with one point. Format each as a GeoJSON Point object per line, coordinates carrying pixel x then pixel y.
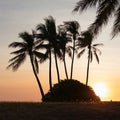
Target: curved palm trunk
{"type": "Point", "coordinates": [58, 74]}
{"type": "Point", "coordinates": [72, 59]}
{"type": "Point", "coordinates": [88, 64]}
{"type": "Point", "coordinates": [65, 67]}
{"type": "Point", "coordinates": [50, 73]}
{"type": "Point", "coordinates": [38, 81]}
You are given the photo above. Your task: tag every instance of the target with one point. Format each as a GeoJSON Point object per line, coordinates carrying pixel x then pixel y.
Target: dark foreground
{"type": "Point", "coordinates": [60, 111]}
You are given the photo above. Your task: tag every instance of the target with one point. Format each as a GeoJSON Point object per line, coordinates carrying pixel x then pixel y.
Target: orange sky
{"type": "Point", "coordinates": [21, 85]}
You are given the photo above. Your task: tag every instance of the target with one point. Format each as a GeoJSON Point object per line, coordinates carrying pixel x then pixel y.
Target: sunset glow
{"type": "Point", "coordinates": [100, 89]}
{"type": "Point", "coordinates": [21, 85]}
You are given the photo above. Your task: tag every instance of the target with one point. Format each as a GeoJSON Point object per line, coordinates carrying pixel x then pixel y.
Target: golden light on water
{"type": "Point", "coordinates": [101, 90]}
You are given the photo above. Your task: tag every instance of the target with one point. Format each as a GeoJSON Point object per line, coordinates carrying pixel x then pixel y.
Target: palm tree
{"type": "Point", "coordinates": [64, 40]}
{"type": "Point", "coordinates": [105, 9]}
{"type": "Point", "coordinates": [48, 54]}
{"type": "Point", "coordinates": [72, 27]}
{"type": "Point", "coordinates": [26, 47]}
{"type": "Point", "coordinates": [49, 35]}
{"type": "Point", "coordinates": [85, 42]}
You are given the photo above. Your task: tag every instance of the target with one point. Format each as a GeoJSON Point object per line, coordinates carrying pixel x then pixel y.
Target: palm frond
{"type": "Point", "coordinates": [17, 44]}
{"type": "Point", "coordinates": [28, 38]}
{"type": "Point", "coordinates": [39, 54]}
{"type": "Point", "coordinates": [104, 12]}
{"type": "Point", "coordinates": [85, 39]}
{"type": "Point", "coordinates": [34, 33]}
{"type": "Point", "coordinates": [59, 53]}
{"type": "Point", "coordinates": [16, 62]}
{"type": "Point", "coordinates": [96, 56]}
{"type": "Point", "coordinates": [50, 25]}
{"type": "Point", "coordinates": [99, 44]}
{"type": "Point", "coordinates": [42, 46]}
{"type": "Point", "coordinates": [80, 53]}
{"type": "Point", "coordinates": [37, 43]}
{"type": "Point", "coordinates": [79, 42]}
{"type": "Point", "coordinates": [84, 4]}
{"type": "Point", "coordinates": [42, 36]}
{"type": "Point", "coordinates": [45, 57]}
{"type": "Point", "coordinates": [97, 50]}
{"type": "Point", "coordinates": [43, 31]}
{"type": "Point", "coordinates": [16, 57]}
{"type": "Point", "coordinates": [116, 26]}
{"type": "Point", "coordinates": [19, 51]}
{"type": "Point", "coordinates": [72, 26]}
{"type": "Point", "coordinates": [61, 29]}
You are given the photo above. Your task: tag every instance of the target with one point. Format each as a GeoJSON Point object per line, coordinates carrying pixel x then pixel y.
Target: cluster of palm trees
{"type": "Point", "coordinates": [50, 40]}
{"type": "Point", "coordinates": [66, 39]}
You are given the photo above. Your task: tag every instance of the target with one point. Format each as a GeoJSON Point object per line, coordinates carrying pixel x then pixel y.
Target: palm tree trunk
{"type": "Point", "coordinates": [50, 73]}
{"type": "Point", "coordinates": [65, 67]}
{"type": "Point", "coordinates": [72, 59]}
{"type": "Point", "coordinates": [38, 81]}
{"type": "Point", "coordinates": [58, 74]}
{"type": "Point", "coordinates": [88, 64]}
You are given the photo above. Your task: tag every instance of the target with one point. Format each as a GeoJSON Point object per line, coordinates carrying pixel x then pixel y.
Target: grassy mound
{"type": "Point", "coordinates": [71, 91]}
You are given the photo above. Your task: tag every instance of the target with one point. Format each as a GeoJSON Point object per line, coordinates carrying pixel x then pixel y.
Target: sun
{"type": "Point", "coordinates": [100, 89]}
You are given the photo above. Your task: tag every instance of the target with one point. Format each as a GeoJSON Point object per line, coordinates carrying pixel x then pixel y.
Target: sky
{"type": "Point", "coordinates": [17, 16]}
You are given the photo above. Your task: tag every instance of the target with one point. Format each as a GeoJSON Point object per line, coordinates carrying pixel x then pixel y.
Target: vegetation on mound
{"type": "Point", "coordinates": [71, 91]}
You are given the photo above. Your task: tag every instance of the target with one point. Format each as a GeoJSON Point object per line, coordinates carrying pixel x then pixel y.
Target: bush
{"type": "Point", "coordinates": [71, 91]}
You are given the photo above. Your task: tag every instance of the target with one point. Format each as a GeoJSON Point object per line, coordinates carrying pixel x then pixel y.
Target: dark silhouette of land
{"type": "Point", "coordinates": [71, 91]}
{"type": "Point", "coordinates": [60, 111]}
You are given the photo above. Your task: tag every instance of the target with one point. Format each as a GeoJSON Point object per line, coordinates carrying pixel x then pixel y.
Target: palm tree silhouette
{"type": "Point", "coordinates": [105, 9]}
{"type": "Point", "coordinates": [26, 47]}
{"type": "Point", "coordinates": [72, 27]}
{"type": "Point", "coordinates": [64, 40]}
{"type": "Point", "coordinates": [47, 48]}
{"type": "Point", "coordinates": [48, 33]}
{"type": "Point", "coordinates": [85, 43]}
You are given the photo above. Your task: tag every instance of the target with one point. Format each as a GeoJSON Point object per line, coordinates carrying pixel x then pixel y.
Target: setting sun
{"type": "Point", "coordinates": [100, 89]}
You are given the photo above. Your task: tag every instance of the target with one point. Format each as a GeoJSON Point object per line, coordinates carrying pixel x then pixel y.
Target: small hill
{"type": "Point", "coordinates": [71, 91]}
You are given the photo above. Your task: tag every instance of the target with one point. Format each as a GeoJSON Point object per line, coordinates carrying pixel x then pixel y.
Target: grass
{"type": "Point", "coordinates": [59, 111]}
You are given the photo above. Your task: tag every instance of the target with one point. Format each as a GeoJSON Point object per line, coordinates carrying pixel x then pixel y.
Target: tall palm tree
{"type": "Point", "coordinates": [43, 36]}
{"type": "Point", "coordinates": [26, 47]}
{"type": "Point", "coordinates": [48, 33]}
{"type": "Point", "coordinates": [105, 9]}
{"type": "Point", "coordinates": [63, 41]}
{"type": "Point", "coordinates": [85, 43]}
{"type": "Point", "coordinates": [73, 28]}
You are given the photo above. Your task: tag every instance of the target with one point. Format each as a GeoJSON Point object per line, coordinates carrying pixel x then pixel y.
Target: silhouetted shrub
{"type": "Point", "coordinates": [71, 91]}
